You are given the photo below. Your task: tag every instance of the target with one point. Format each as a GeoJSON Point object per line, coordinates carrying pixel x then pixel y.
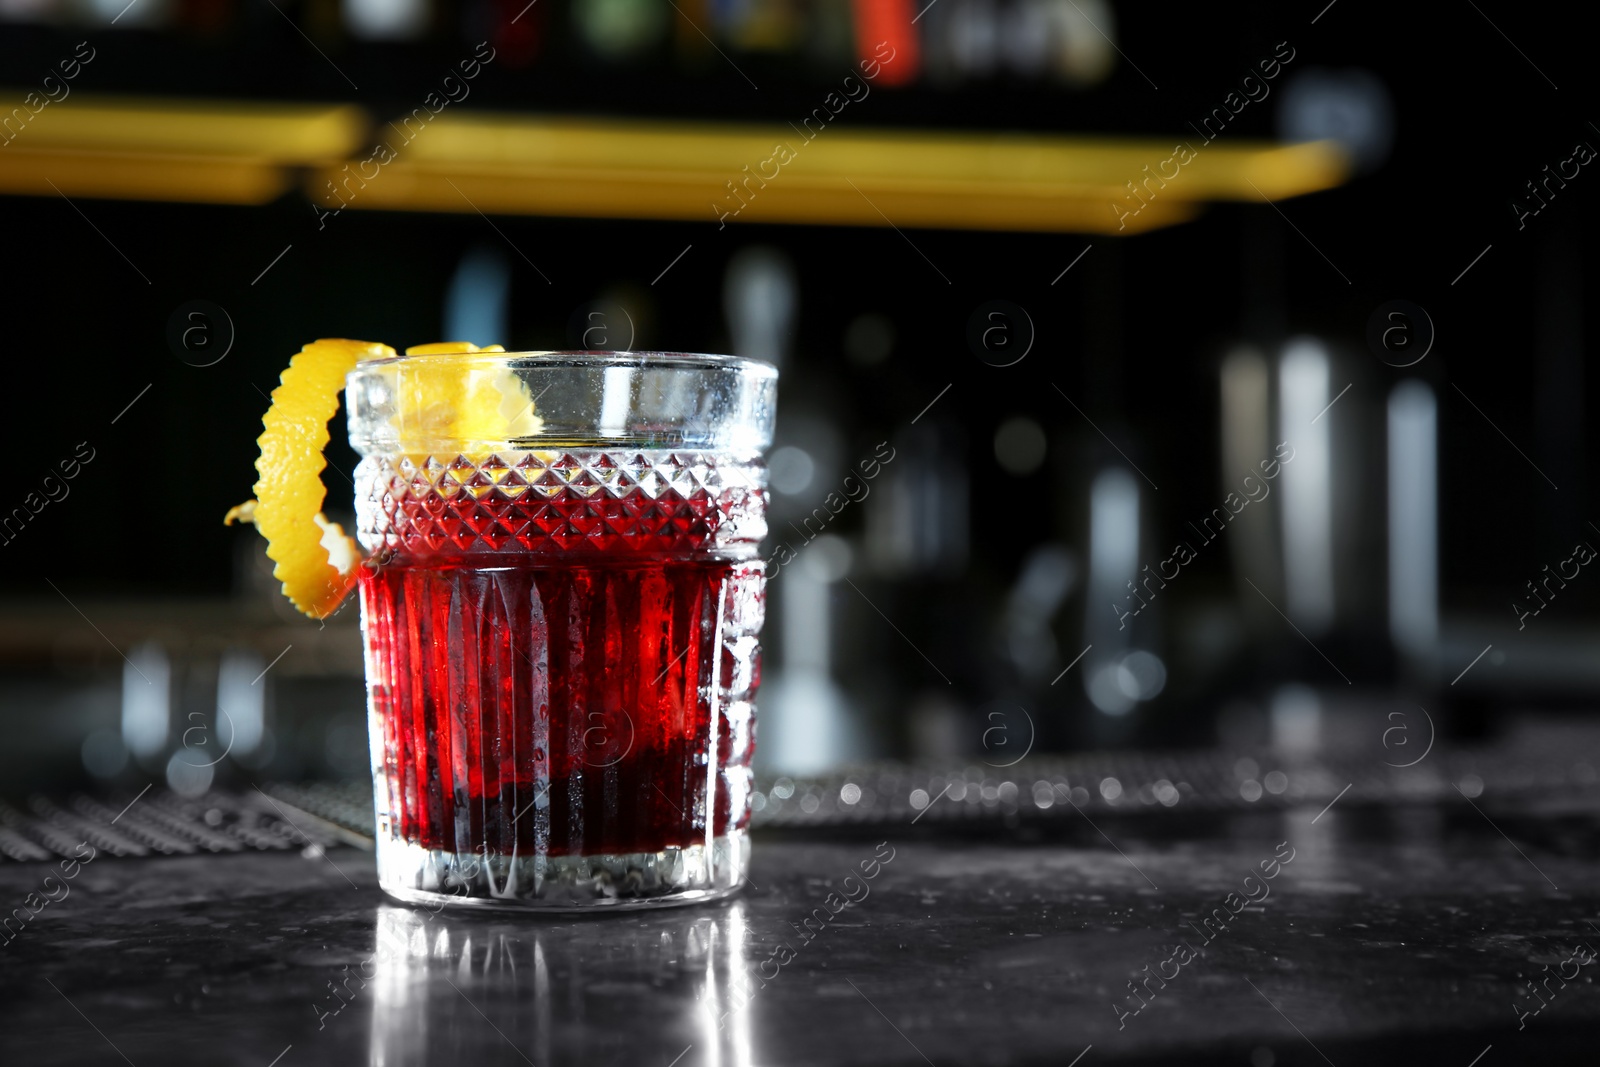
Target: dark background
{"type": "Point", "coordinates": [1133, 333]}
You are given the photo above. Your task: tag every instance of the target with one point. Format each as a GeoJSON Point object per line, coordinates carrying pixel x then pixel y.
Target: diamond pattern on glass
{"type": "Point", "coordinates": [647, 501]}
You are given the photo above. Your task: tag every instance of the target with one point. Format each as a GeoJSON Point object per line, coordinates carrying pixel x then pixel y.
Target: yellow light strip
{"type": "Point", "coordinates": [1069, 165]}
{"type": "Point", "coordinates": [512, 165]}
{"type": "Point", "coordinates": [283, 133]}
{"type": "Point", "coordinates": [172, 150]}
{"type": "Point", "coordinates": [599, 194]}
{"type": "Point", "coordinates": [130, 176]}
{"type": "Point", "coordinates": [462, 161]}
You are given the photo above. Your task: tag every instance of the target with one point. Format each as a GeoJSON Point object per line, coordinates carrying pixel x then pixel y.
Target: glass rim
{"type": "Point", "coordinates": [652, 359]}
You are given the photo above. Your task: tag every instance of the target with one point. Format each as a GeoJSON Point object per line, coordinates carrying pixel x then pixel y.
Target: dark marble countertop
{"type": "Point", "coordinates": [1389, 936]}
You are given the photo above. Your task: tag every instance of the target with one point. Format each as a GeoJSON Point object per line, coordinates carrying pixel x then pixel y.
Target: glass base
{"type": "Point", "coordinates": [691, 874]}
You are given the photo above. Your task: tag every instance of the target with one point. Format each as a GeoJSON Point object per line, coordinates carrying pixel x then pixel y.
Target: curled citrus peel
{"type": "Point", "coordinates": [316, 560]}
{"type": "Point", "coordinates": [447, 402]}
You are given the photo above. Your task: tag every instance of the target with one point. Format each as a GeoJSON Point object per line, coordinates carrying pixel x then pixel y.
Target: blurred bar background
{"type": "Point", "coordinates": [1031, 372]}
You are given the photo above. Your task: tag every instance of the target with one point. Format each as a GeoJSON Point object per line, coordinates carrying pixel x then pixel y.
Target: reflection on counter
{"type": "Point", "coordinates": [534, 983]}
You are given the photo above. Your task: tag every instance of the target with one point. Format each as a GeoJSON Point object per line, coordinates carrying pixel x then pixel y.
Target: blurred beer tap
{"type": "Point", "coordinates": [1303, 459]}
{"type": "Point", "coordinates": [1118, 672]}
{"type": "Point", "coordinates": [147, 703]}
{"type": "Point", "coordinates": [917, 519]}
{"type": "Point", "coordinates": [1414, 526]}
{"type": "Point", "coordinates": [477, 304]}
{"type": "Point", "coordinates": [1304, 399]}
{"type": "Point", "coordinates": [761, 300]}
{"type": "Point", "coordinates": [1048, 576]}
{"type": "Point", "coordinates": [807, 721]}
{"type": "Point", "coordinates": [1246, 441]}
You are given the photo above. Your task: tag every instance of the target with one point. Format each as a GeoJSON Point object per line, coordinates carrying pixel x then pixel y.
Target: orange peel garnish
{"type": "Point", "coordinates": [444, 402]}
{"type": "Point", "coordinates": [316, 560]}
{"type": "Point", "coordinates": [450, 348]}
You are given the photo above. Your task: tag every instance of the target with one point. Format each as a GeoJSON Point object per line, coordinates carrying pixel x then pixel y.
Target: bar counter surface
{"type": "Point", "coordinates": [1441, 933]}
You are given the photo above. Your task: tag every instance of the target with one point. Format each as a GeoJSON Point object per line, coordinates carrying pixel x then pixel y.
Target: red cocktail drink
{"type": "Point", "coordinates": [561, 657]}
{"type": "Point", "coordinates": [535, 696]}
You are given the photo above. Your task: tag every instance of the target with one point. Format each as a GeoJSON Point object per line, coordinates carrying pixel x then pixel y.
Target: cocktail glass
{"type": "Point", "coordinates": [561, 620]}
